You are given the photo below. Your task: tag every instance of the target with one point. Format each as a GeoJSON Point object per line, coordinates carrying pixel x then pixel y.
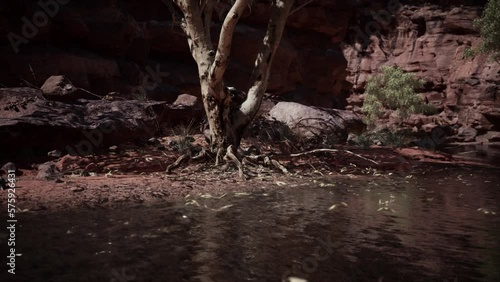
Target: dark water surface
{"type": "Point", "coordinates": [383, 228]}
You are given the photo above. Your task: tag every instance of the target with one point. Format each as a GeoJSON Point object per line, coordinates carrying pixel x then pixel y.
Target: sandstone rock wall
{"type": "Point", "coordinates": [120, 45]}
{"type": "Point", "coordinates": [430, 41]}
{"type": "Point", "coordinates": [107, 46]}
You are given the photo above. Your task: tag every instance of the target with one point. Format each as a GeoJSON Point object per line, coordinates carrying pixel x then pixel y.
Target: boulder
{"type": "Point", "coordinates": [310, 122]}
{"type": "Point", "coordinates": [59, 88]}
{"type": "Point", "coordinates": [32, 125]}
{"type": "Point", "coordinates": [187, 101]}
{"type": "Point", "coordinates": [467, 134]}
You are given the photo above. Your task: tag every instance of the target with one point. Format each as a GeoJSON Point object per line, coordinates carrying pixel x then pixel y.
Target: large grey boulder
{"type": "Point", "coordinates": [311, 122]}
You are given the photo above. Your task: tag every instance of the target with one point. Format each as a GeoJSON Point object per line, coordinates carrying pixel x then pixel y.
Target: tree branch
{"type": "Point", "coordinates": [192, 25]}
{"type": "Point", "coordinates": [226, 37]}
{"type": "Point", "coordinates": [207, 9]}
{"type": "Point", "coordinates": [260, 75]}
{"type": "Point", "coordinates": [331, 151]}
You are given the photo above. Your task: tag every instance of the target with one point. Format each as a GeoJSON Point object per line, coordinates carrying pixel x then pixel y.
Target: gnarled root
{"type": "Point", "coordinates": [266, 160]}
{"type": "Point", "coordinates": [177, 163]}
{"type": "Point", "coordinates": [279, 166]}
{"type": "Point", "coordinates": [231, 156]}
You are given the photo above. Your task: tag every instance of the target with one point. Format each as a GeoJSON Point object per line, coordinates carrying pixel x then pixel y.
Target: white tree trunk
{"type": "Point", "coordinates": [228, 121]}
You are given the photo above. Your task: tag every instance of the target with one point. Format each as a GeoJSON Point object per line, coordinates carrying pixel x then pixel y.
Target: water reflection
{"type": "Point", "coordinates": [391, 228]}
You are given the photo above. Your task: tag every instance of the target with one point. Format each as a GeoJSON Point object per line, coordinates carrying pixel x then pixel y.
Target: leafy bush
{"type": "Point", "coordinates": [394, 90]}
{"type": "Point", "coordinates": [383, 137]}
{"type": "Point", "coordinates": [469, 53]}
{"type": "Point", "coordinates": [427, 109]}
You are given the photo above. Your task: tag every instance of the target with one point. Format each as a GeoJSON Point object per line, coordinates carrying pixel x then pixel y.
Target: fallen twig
{"type": "Point", "coordinates": [177, 163]}
{"type": "Point", "coordinates": [331, 151]}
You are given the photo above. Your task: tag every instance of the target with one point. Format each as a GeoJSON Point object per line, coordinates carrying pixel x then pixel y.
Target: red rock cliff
{"type": "Point", "coordinates": [112, 46]}
{"type": "Point", "coordinates": [107, 46]}
{"type": "Point", "coordinates": [430, 41]}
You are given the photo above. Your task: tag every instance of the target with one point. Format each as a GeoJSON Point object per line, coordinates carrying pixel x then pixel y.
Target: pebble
{"type": "Point", "coordinates": [9, 166]}
{"type": "Point", "coordinates": [54, 153]}
{"type": "Point", "coordinates": [77, 189]}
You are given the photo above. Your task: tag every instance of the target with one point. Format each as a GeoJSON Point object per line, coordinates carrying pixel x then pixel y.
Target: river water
{"type": "Point", "coordinates": [436, 224]}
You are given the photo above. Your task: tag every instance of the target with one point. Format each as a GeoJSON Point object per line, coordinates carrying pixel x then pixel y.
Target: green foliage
{"type": "Point", "coordinates": [489, 24]}
{"type": "Point", "coordinates": [427, 109]}
{"type": "Point", "coordinates": [140, 95]}
{"type": "Point", "coordinates": [394, 90]}
{"type": "Point", "coordinates": [469, 53]}
{"type": "Point", "coordinates": [383, 137]}
{"type": "Point", "coordinates": [184, 136]}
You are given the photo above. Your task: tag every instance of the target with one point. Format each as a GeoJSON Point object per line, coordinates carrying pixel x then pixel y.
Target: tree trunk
{"type": "Point", "coordinates": [220, 114]}
{"type": "Point", "coordinates": [227, 121]}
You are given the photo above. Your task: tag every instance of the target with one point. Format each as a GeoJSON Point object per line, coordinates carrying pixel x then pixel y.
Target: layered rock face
{"type": "Point", "coordinates": [430, 42]}
{"type": "Point", "coordinates": [120, 46]}
{"type": "Point", "coordinates": [136, 49]}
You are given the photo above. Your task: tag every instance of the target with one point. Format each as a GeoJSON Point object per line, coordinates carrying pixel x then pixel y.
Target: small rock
{"type": "Point", "coordinates": [187, 101]}
{"type": "Point", "coordinates": [113, 148]}
{"type": "Point", "coordinates": [154, 141]}
{"type": "Point", "coordinates": [77, 189]}
{"type": "Point", "coordinates": [91, 167]}
{"type": "Point", "coordinates": [295, 279]}
{"type": "Point", "coordinates": [468, 134]}
{"type": "Point", "coordinates": [352, 139]}
{"type": "Point", "coordinates": [8, 167]}
{"type": "Point", "coordinates": [54, 153]}
{"type": "Point", "coordinates": [58, 86]}
{"type": "Point", "coordinates": [48, 171]}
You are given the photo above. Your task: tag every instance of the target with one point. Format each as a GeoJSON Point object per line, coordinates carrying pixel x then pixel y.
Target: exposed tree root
{"type": "Point", "coordinates": [178, 162]}
{"type": "Point", "coordinates": [203, 154]}
{"type": "Point", "coordinates": [239, 158]}
{"type": "Point", "coordinates": [247, 159]}
{"type": "Point", "coordinates": [230, 156]}
{"type": "Point", "coordinates": [279, 166]}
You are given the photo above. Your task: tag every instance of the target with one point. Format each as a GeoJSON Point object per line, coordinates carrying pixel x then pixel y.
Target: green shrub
{"type": "Point", "coordinates": [427, 109]}
{"type": "Point", "coordinates": [393, 90]}
{"type": "Point", "coordinates": [384, 137]}
{"type": "Point", "coordinates": [469, 53]}
{"type": "Point", "coordinates": [489, 25]}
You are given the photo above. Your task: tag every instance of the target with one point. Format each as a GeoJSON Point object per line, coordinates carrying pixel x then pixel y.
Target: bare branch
{"type": "Point", "coordinates": [260, 75]}
{"type": "Point", "coordinates": [331, 151]}
{"type": "Point", "coordinates": [207, 9]}
{"type": "Point", "coordinates": [193, 27]}
{"type": "Point", "coordinates": [226, 37]}
{"type": "Point", "coordinates": [300, 7]}
{"type": "Point", "coordinates": [175, 14]}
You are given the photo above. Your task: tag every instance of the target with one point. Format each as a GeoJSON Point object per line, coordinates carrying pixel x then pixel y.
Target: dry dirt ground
{"type": "Point", "coordinates": [135, 175]}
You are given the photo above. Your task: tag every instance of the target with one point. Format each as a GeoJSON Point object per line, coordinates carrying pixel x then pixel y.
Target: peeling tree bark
{"type": "Point", "coordinates": [228, 121]}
